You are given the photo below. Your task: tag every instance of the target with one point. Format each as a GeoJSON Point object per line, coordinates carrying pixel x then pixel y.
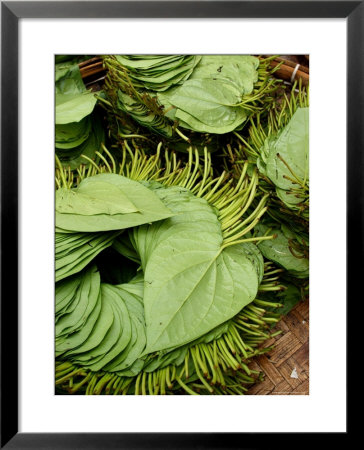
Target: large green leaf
{"type": "Point", "coordinates": [133, 196]}
{"type": "Point", "coordinates": [98, 197]}
{"type": "Point", "coordinates": [183, 255]}
{"type": "Point", "coordinates": [145, 62]}
{"type": "Point", "coordinates": [211, 287]}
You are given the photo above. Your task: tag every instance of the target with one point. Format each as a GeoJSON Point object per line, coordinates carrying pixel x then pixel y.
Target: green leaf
{"type": "Point", "coordinates": [287, 162]}
{"type": "Point", "coordinates": [105, 329]}
{"type": "Point", "coordinates": [72, 156]}
{"type": "Point", "coordinates": [207, 104]}
{"type": "Point", "coordinates": [75, 250]}
{"type": "Point", "coordinates": [183, 255]}
{"type": "Point", "coordinates": [98, 197]}
{"type": "Point", "coordinates": [85, 297]}
{"type": "Point", "coordinates": [212, 288]}
{"type": "Point", "coordinates": [290, 297]}
{"type": "Point", "coordinates": [158, 73]}
{"type": "Point", "coordinates": [239, 69]}
{"type": "Point", "coordinates": [74, 107]}
{"type": "Point", "coordinates": [133, 351]}
{"type": "Point", "coordinates": [280, 251]}
{"type": "Point", "coordinates": [68, 79]}
{"type": "Point", "coordinates": [135, 108]}
{"type": "Point", "coordinates": [148, 206]}
{"type": "Point", "coordinates": [72, 134]}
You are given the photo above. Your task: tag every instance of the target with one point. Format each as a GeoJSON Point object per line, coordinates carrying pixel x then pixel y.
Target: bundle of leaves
{"type": "Point", "coordinates": [78, 129]}
{"type": "Point", "coordinates": [158, 72]}
{"type": "Point", "coordinates": [179, 308]}
{"type": "Point", "coordinates": [213, 94]}
{"type": "Point", "coordinates": [277, 145]}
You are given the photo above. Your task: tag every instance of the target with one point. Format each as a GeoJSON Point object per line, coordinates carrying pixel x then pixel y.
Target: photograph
{"type": "Point", "coordinates": [181, 224]}
{"type": "Point", "coordinates": [180, 205]}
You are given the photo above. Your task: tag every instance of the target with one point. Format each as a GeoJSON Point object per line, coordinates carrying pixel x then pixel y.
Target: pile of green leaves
{"type": "Point", "coordinates": [78, 129]}
{"type": "Point", "coordinates": [203, 94]}
{"type": "Point", "coordinates": [283, 160]}
{"type": "Point", "coordinates": [171, 272]}
{"type": "Point", "coordinates": [210, 284]}
{"type": "Point", "coordinates": [278, 145]}
{"type": "Point", "coordinates": [158, 72]}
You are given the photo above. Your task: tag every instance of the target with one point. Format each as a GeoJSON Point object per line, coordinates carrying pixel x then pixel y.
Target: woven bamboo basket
{"type": "Point", "coordinates": [286, 366]}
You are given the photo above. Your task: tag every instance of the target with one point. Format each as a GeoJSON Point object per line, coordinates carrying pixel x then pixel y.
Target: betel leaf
{"type": "Point", "coordinates": [287, 162]}
{"type": "Point", "coordinates": [72, 157]}
{"type": "Point", "coordinates": [188, 121]}
{"type": "Point", "coordinates": [93, 198]}
{"type": "Point", "coordinates": [147, 206]}
{"type": "Point", "coordinates": [68, 79]}
{"type": "Point", "coordinates": [280, 251]}
{"type": "Point", "coordinates": [183, 255]}
{"type": "Point", "coordinates": [78, 126]}
{"type": "Point", "coordinates": [72, 134]}
{"type": "Point", "coordinates": [106, 327]}
{"type": "Point", "coordinates": [291, 198]}
{"type": "Point", "coordinates": [133, 351]}
{"type": "Point", "coordinates": [74, 107]}
{"type": "Point", "coordinates": [86, 299]}
{"type": "Point", "coordinates": [207, 104]}
{"type": "Point", "coordinates": [239, 69]}
{"type": "Point", "coordinates": [144, 62]}
{"type": "Point", "coordinates": [135, 108]}
{"type": "Point", "coordinates": [75, 250]}
{"type": "Point", "coordinates": [213, 286]}
{"type": "Point", "coordinates": [209, 101]}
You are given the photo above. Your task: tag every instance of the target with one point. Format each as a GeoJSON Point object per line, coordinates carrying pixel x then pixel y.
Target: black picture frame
{"type": "Point", "coordinates": [11, 12]}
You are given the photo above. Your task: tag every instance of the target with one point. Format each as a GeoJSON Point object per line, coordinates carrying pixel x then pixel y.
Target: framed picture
{"type": "Point", "coordinates": [330, 32]}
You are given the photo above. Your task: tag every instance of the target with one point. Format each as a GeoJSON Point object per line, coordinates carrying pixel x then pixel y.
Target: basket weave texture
{"type": "Point", "coordinates": [290, 356]}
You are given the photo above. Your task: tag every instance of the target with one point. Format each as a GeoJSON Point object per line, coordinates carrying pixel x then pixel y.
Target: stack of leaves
{"type": "Point", "coordinates": [284, 160]}
{"type": "Point", "coordinates": [157, 72]}
{"type": "Point", "coordinates": [90, 216]}
{"type": "Point", "coordinates": [78, 127]}
{"type": "Point", "coordinates": [213, 99]}
{"type": "Point", "coordinates": [214, 94]}
{"type": "Point", "coordinates": [279, 148]}
{"type": "Point", "coordinates": [189, 312]}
